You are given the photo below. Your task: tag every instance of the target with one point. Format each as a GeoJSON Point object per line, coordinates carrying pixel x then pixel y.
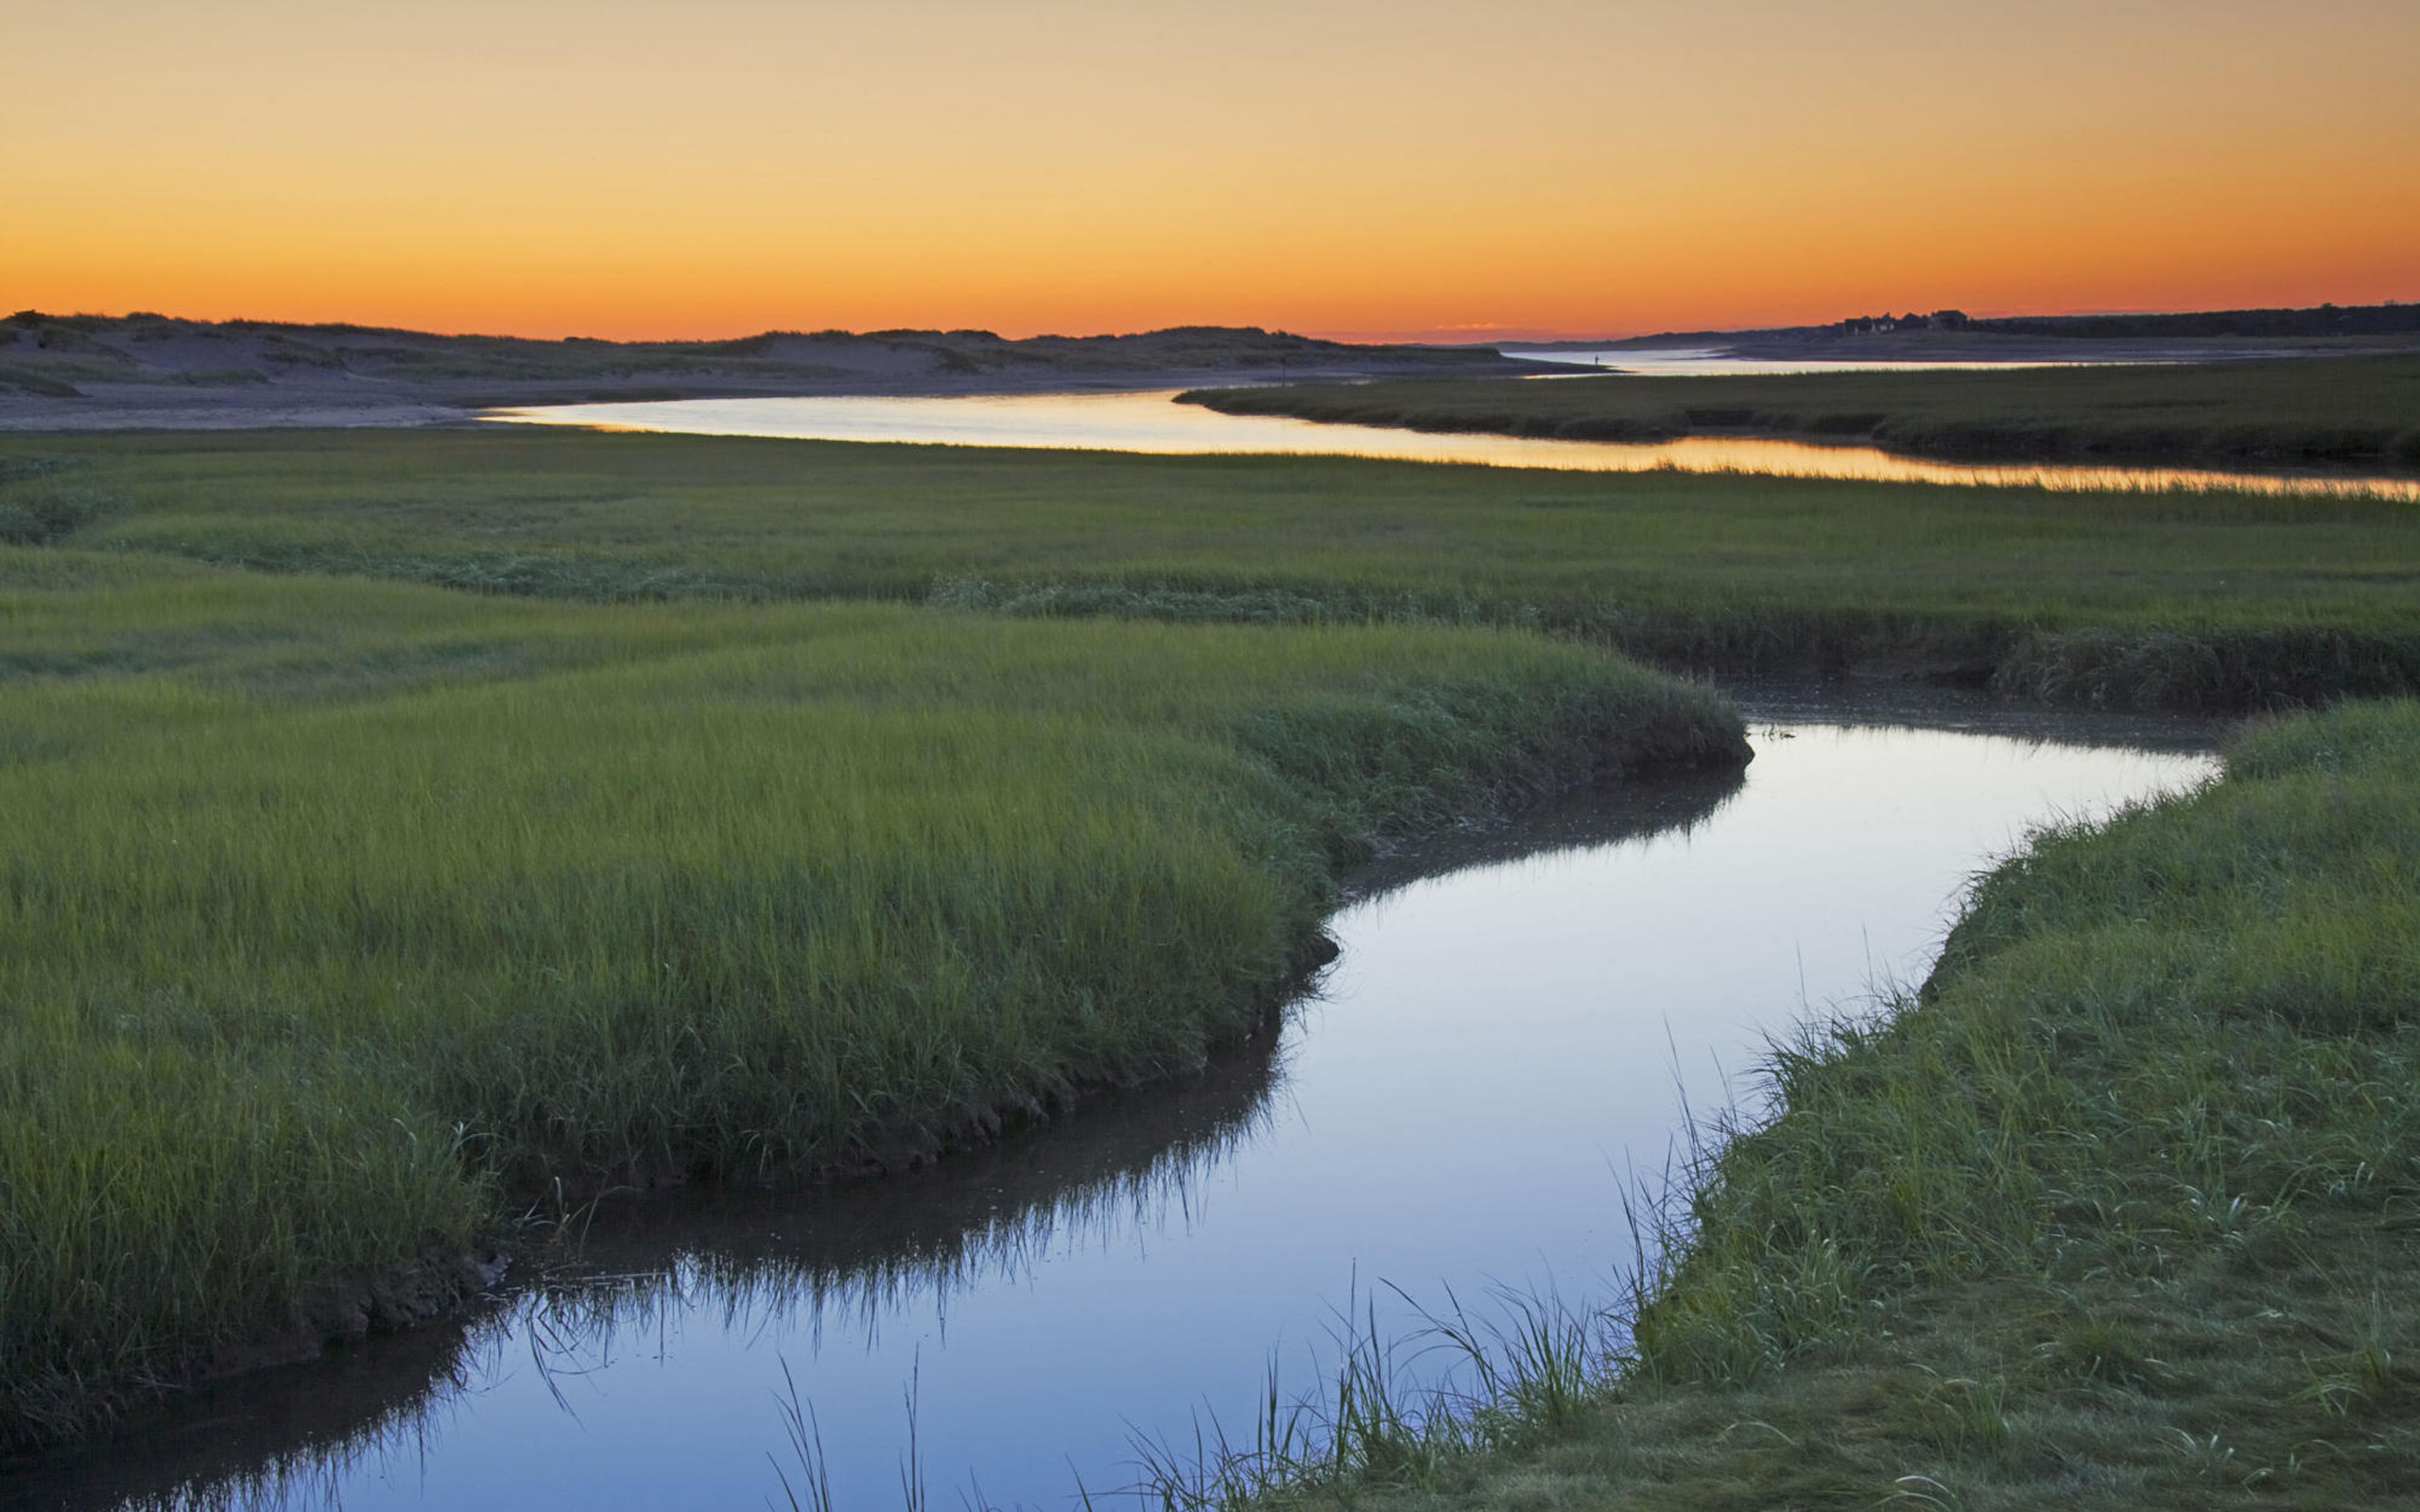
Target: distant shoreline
{"type": "Point", "coordinates": [129, 407]}
{"type": "Point", "coordinates": [1951, 336]}
{"type": "Point", "coordinates": [158, 374]}
{"type": "Point", "coordinates": [1949, 346]}
{"type": "Point", "coordinates": [149, 373]}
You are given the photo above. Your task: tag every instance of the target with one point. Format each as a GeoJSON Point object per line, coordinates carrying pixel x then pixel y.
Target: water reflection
{"type": "Point", "coordinates": [1149, 423]}
{"type": "Point", "coordinates": [1519, 1016]}
{"type": "Point", "coordinates": [1713, 362]}
{"type": "Point", "coordinates": [828, 1269]}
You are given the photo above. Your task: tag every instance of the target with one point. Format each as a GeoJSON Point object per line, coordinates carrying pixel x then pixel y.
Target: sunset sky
{"type": "Point", "coordinates": [1400, 168]}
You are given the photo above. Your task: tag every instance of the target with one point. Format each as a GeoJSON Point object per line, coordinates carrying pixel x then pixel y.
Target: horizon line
{"type": "Point", "coordinates": [1477, 334]}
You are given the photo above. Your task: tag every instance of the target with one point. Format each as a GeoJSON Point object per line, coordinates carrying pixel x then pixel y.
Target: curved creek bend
{"type": "Point", "coordinates": [1520, 1023]}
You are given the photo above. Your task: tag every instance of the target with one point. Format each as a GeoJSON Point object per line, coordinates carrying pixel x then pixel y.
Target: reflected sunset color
{"type": "Point", "coordinates": [1226, 756]}
{"type": "Point", "coordinates": [1150, 421]}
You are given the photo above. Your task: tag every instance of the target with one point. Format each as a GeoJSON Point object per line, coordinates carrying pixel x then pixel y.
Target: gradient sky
{"type": "Point", "coordinates": [1525, 168]}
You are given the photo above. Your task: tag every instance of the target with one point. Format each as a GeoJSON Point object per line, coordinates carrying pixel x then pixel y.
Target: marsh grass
{"type": "Point", "coordinates": [338, 919]}
{"type": "Point", "coordinates": [2178, 600]}
{"type": "Point", "coordinates": [2117, 1211]}
{"type": "Point", "coordinates": [344, 917]}
{"type": "Point", "coordinates": [37, 516]}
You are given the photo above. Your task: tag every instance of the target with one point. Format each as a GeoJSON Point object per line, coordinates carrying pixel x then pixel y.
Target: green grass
{"type": "Point", "coordinates": [343, 911]}
{"type": "Point", "coordinates": [2336, 411]}
{"type": "Point", "coordinates": [2168, 600]}
{"type": "Point", "coordinates": [340, 917]}
{"type": "Point", "coordinates": [2117, 1211]}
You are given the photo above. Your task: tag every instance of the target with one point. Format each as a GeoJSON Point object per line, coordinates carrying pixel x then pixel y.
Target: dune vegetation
{"type": "Point", "coordinates": [341, 920]}
{"type": "Point", "coordinates": [2168, 600]}
{"type": "Point", "coordinates": [105, 362]}
{"type": "Point", "coordinates": [2363, 411]}
{"type": "Point", "coordinates": [2114, 1212]}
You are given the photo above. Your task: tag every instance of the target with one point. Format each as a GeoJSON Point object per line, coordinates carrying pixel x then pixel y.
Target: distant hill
{"type": "Point", "coordinates": [78, 368]}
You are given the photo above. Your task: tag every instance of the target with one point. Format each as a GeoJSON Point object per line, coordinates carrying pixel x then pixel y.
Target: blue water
{"type": "Point", "coordinates": [1496, 1052]}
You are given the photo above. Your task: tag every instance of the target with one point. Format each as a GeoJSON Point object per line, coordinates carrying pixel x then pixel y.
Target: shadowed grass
{"type": "Point", "coordinates": [2169, 601]}
{"type": "Point", "coordinates": [335, 914]}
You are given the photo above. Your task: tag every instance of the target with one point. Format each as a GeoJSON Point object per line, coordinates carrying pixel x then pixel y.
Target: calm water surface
{"type": "Point", "coordinates": [1149, 421]}
{"type": "Point", "coordinates": [1710, 362]}
{"type": "Point", "coordinates": [1497, 1045]}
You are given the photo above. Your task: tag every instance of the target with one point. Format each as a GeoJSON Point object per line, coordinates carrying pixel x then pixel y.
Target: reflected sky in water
{"type": "Point", "coordinates": [1712, 362]}
{"type": "Point", "coordinates": [1147, 422]}
{"type": "Point", "coordinates": [1496, 1050]}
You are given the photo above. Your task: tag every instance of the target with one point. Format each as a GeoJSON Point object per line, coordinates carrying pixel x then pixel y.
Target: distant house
{"type": "Point", "coordinates": [1877, 324]}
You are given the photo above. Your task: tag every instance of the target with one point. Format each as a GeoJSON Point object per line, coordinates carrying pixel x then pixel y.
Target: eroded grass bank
{"type": "Point", "coordinates": [2363, 411]}
{"type": "Point", "coordinates": [340, 919]}
{"type": "Point", "coordinates": [2174, 601]}
{"type": "Point", "coordinates": [2119, 1211]}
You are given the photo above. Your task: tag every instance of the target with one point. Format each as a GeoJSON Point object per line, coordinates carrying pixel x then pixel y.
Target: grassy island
{"type": "Point", "coordinates": [2347, 411]}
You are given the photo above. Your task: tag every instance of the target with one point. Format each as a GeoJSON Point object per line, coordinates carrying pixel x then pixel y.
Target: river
{"type": "Point", "coordinates": [1149, 421]}
{"type": "Point", "coordinates": [1522, 1024]}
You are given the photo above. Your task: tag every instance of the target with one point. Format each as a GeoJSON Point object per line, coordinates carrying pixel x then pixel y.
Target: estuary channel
{"type": "Point", "coordinates": [1150, 421]}
{"type": "Point", "coordinates": [1522, 1024]}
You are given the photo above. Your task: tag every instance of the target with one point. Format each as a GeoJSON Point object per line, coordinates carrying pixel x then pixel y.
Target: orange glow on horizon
{"type": "Point", "coordinates": [1535, 168]}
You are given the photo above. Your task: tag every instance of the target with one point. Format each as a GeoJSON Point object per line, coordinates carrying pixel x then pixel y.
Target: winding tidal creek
{"type": "Point", "coordinates": [1523, 1026]}
{"type": "Point", "coordinates": [1150, 421]}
